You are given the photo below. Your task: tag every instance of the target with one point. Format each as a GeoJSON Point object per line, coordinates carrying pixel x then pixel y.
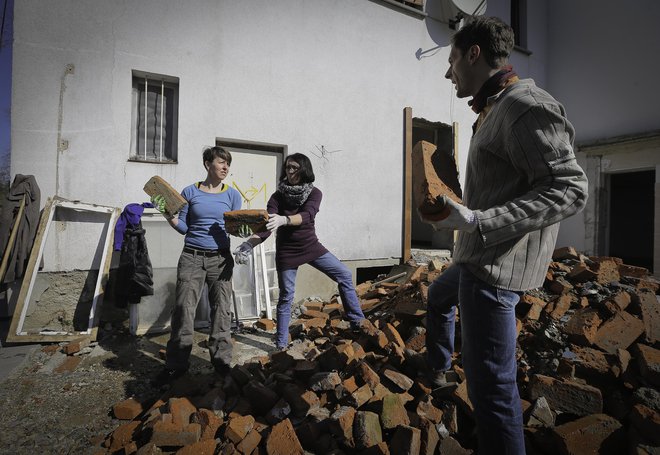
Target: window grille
{"type": "Point", "coordinates": [155, 118]}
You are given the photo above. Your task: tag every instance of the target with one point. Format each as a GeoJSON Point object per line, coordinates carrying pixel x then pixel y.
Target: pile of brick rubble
{"type": "Point", "coordinates": [589, 369]}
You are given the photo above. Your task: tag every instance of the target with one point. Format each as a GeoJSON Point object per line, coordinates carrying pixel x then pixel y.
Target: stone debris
{"type": "Point", "coordinates": [589, 369]}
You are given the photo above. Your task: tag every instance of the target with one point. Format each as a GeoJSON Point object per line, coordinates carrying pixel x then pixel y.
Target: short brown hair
{"type": "Point", "coordinates": [493, 36]}
{"type": "Point", "coordinates": [211, 153]}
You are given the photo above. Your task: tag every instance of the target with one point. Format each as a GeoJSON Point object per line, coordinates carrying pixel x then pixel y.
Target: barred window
{"type": "Point", "coordinates": [155, 118]}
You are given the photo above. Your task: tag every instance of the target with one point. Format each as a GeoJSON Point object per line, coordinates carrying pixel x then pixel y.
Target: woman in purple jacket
{"type": "Point", "coordinates": [292, 210]}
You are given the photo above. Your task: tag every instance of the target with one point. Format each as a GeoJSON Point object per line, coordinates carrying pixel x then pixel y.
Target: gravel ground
{"type": "Point", "coordinates": [44, 411]}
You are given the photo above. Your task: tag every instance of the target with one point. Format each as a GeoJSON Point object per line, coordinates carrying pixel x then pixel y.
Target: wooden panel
{"type": "Point", "coordinates": [407, 184]}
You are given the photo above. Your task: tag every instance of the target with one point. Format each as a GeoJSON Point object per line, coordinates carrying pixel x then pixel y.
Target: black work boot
{"type": "Point", "coordinates": [442, 379]}
{"type": "Point", "coordinates": [167, 376]}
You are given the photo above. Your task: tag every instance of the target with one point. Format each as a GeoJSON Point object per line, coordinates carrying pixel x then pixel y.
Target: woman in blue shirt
{"type": "Point", "coordinates": [205, 259]}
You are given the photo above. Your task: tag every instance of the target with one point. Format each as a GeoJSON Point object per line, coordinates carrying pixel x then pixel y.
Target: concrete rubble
{"type": "Point", "coordinates": [589, 371]}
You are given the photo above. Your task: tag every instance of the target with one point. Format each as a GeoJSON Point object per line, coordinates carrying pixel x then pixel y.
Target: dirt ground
{"type": "Point", "coordinates": [44, 410]}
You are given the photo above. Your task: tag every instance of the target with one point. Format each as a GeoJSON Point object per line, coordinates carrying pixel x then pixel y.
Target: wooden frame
{"type": "Point", "coordinates": [16, 333]}
{"type": "Point", "coordinates": [407, 185]}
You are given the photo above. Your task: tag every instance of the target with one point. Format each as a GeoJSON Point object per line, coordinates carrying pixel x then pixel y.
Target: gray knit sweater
{"type": "Point", "coordinates": [522, 179]}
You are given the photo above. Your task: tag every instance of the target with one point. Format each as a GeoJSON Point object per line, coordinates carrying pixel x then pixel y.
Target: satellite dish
{"type": "Point", "coordinates": [453, 12]}
{"type": "Point", "coordinates": [470, 7]}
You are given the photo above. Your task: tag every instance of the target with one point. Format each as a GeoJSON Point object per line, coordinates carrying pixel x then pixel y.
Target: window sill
{"type": "Point", "coordinates": [405, 8]}
{"type": "Point", "coordinates": [137, 160]}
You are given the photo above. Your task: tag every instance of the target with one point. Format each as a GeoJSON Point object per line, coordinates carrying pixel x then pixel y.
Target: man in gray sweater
{"type": "Point", "coordinates": [522, 179]}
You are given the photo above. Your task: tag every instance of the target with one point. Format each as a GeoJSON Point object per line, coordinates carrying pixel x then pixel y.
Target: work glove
{"type": "Point", "coordinates": [460, 218]}
{"type": "Point", "coordinates": [159, 203]}
{"type": "Point", "coordinates": [242, 253]}
{"type": "Point", "coordinates": [244, 231]}
{"type": "Point", "coordinates": [275, 222]}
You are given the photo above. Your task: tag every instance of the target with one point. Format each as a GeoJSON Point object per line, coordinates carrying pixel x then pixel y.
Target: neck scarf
{"type": "Point", "coordinates": [498, 81]}
{"type": "Point", "coordinates": [295, 195]}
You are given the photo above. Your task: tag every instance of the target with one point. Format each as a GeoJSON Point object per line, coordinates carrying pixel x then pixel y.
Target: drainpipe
{"type": "Point", "coordinates": [62, 145]}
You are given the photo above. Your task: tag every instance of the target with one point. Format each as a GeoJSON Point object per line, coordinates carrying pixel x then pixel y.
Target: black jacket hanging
{"type": "Point", "coordinates": [135, 274]}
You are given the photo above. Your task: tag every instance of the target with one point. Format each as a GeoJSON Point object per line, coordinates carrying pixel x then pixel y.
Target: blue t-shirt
{"type": "Point", "coordinates": [202, 220]}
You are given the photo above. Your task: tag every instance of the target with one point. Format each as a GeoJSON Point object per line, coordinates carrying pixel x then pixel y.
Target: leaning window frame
{"type": "Point", "coordinates": [164, 81]}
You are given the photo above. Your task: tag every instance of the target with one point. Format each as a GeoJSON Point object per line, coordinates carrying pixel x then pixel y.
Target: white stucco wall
{"type": "Point", "coordinates": [335, 73]}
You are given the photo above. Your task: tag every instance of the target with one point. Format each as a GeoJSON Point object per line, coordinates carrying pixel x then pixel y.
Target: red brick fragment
{"type": "Point", "coordinates": [283, 440]}
{"type": "Point", "coordinates": [127, 409]}
{"type": "Point", "coordinates": [598, 433]}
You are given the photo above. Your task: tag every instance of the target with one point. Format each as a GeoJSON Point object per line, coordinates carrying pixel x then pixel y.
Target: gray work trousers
{"type": "Point", "coordinates": [193, 271]}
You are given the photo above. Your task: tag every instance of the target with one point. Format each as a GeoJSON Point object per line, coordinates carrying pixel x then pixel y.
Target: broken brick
{"type": "Point", "coordinates": [582, 327]}
{"type": "Point", "coordinates": [598, 433]}
{"type": "Point", "coordinates": [265, 324]}
{"type": "Point", "coordinates": [567, 396]}
{"type": "Point", "coordinates": [648, 359]}
{"type": "Point", "coordinates": [238, 428]}
{"type": "Point", "coordinates": [341, 424]}
{"type": "Point", "coordinates": [127, 409]}
{"type": "Point", "coordinates": [366, 429]}
{"type": "Point", "coordinates": [283, 440]}
{"type": "Point", "coordinates": [618, 332]}
{"type": "Point", "coordinates": [206, 447]}
{"type": "Point", "coordinates": [393, 413]}
{"type": "Point", "coordinates": [650, 310]}
{"type": "Point", "coordinates": [406, 441]}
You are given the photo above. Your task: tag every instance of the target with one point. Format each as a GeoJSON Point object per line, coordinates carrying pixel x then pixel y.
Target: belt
{"type": "Point", "coordinates": [205, 253]}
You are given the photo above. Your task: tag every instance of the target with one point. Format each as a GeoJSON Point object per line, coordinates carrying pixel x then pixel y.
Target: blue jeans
{"type": "Point", "coordinates": [334, 269]}
{"type": "Point", "coordinates": [488, 335]}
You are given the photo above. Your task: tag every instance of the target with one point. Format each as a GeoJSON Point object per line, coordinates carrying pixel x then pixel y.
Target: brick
{"type": "Point", "coordinates": [647, 422]}
{"type": "Point", "coordinates": [313, 314]}
{"type": "Point", "coordinates": [341, 425]}
{"type": "Point", "coordinates": [313, 305]}
{"type": "Point", "coordinates": [558, 286]}
{"type": "Point", "coordinates": [535, 306]}
{"type": "Point", "coordinates": [265, 324]}
{"type": "Point", "coordinates": [582, 327]}
{"type": "Point", "coordinates": [461, 397]}
{"type": "Point", "coordinates": [540, 414]}
{"type": "Point", "coordinates": [617, 302]}
{"type": "Point", "coordinates": [209, 423]}
{"type": "Point", "coordinates": [301, 401]}
{"type": "Point", "coordinates": [249, 443]}
{"type": "Point", "coordinates": [648, 360]}
{"type": "Point", "coordinates": [127, 409]}
{"type": "Point", "coordinates": [122, 435]}
{"type": "Point", "coordinates": [399, 379]}
{"type": "Point", "coordinates": [607, 270]}
{"type": "Point", "coordinates": [361, 396]}
{"type": "Point", "coordinates": [429, 437]}
{"type": "Point", "coordinates": [566, 252]}
{"type": "Point", "coordinates": [426, 410]}
{"type": "Point", "coordinates": [633, 271]}
{"type": "Point", "coordinates": [238, 428]}
{"type": "Point", "coordinates": [567, 396]}
{"type": "Point", "coordinates": [618, 332]}
{"type": "Point", "coordinates": [350, 384]}
{"type": "Point", "coordinates": [393, 335]}
{"type": "Point", "coordinates": [206, 447]}
{"type": "Point", "coordinates": [561, 306]}
{"type": "Point", "coordinates": [581, 273]}
{"type": "Point", "coordinates": [406, 441]}
{"type": "Point", "coordinates": [451, 446]}
{"type": "Point", "coordinates": [181, 410]}
{"type": "Point", "coordinates": [378, 449]}
{"type": "Point", "coordinates": [650, 309]}
{"type": "Point", "coordinates": [336, 357]}
{"type": "Point", "coordinates": [261, 398]}
{"type": "Point", "coordinates": [76, 345]}
{"type": "Point", "coordinates": [324, 381]}
{"type": "Point", "coordinates": [366, 429]}
{"type": "Point", "coordinates": [149, 449]}
{"type": "Point", "coordinates": [280, 411]}
{"type": "Point", "coordinates": [283, 440]}
{"type": "Point", "coordinates": [166, 434]}
{"type": "Point", "coordinates": [417, 339]}
{"type": "Point", "coordinates": [393, 413]}
{"type": "Point", "coordinates": [367, 375]}
{"type": "Point", "coordinates": [590, 362]}
{"type": "Point", "coordinates": [598, 433]}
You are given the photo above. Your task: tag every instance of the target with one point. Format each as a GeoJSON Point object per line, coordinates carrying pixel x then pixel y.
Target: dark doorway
{"type": "Point", "coordinates": [631, 217]}
{"type": "Point", "coordinates": [423, 236]}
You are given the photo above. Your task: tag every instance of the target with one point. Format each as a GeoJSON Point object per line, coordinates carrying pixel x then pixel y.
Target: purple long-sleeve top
{"type": "Point", "coordinates": [296, 245]}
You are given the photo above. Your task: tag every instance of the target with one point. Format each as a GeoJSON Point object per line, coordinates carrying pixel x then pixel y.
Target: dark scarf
{"type": "Point", "coordinates": [295, 195]}
{"type": "Point", "coordinates": [492, 86]}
